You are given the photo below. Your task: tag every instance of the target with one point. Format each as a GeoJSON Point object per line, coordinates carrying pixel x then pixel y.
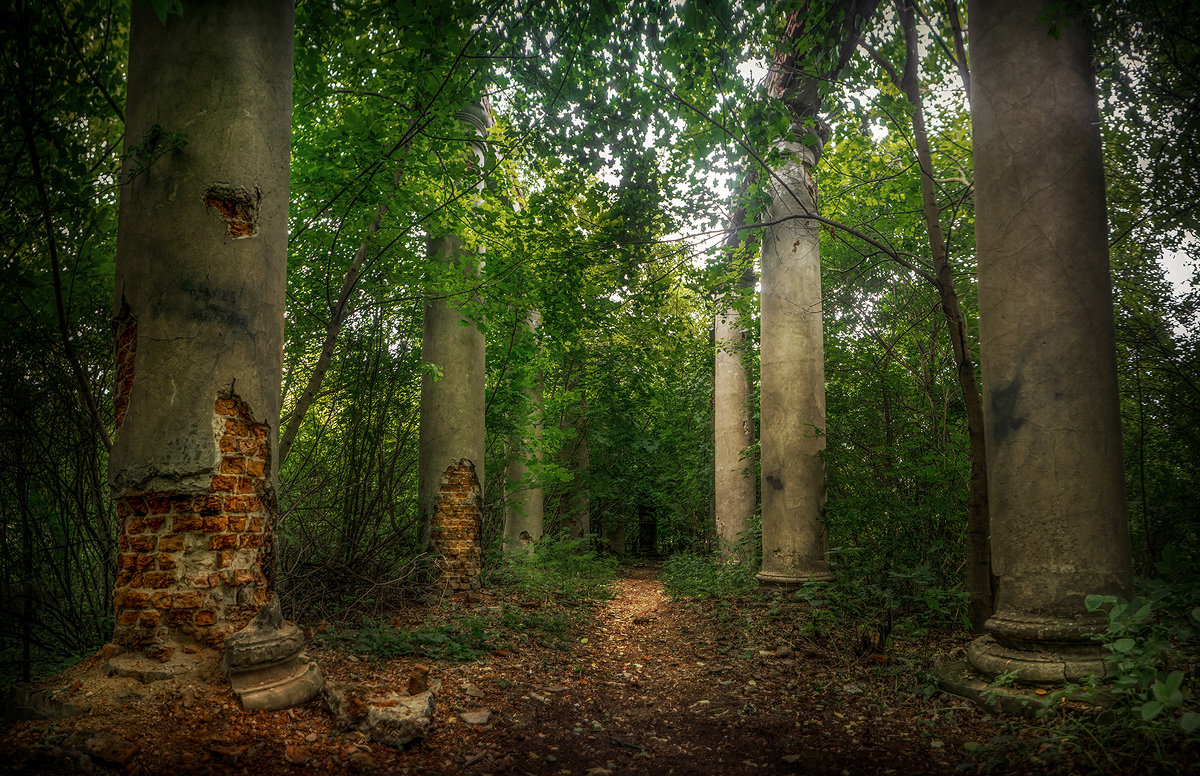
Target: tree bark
{"type": "Point", "coordinates": [979, 566]}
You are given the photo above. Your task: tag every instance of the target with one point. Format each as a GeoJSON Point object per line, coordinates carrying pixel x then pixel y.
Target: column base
{"type": "Point", "coordinates": [792, 578]}
{"type": "Point", "coordinates": [1053, 664]}
{"type": "Point", "coordinates": [959, 678]}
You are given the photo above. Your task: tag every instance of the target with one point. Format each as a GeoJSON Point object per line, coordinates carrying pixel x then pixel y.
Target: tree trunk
{"type": "Point", "coordinates": [1060, 529]}
{"type": "Point", "coordinates": [979, 564]}
{"type": "Point", "coordinates": [198, 308]}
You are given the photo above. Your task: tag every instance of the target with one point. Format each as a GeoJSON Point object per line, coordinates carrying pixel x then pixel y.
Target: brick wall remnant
{"type": "Point", "coordinates": [457, 527]}
{"type": "Point", "coordinates": [191, 566]}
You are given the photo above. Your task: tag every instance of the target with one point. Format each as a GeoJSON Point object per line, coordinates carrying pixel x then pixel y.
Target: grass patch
{"type": "Point", "coordinates": [556, 568]}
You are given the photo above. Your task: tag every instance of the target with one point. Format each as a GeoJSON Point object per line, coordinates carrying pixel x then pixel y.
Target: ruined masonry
{"type": "Point", "coordinates": [457, 525]}
{"type": "Point", "coordinates": [193, 563]}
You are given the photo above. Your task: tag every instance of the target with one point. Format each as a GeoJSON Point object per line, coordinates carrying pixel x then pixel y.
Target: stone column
{"type": "Point", "coordinates": [733, 432]}
{"type": "Point", "coordinates": [1056, 482]}
{"type": "Point", "coordinates": [451, 441]}
{"type": "Point", "coordinates": [523, 508]}
{"type": "Point", "coordinates": [792, 384]}
{"type": "Point", "coordinates": [198, 308]}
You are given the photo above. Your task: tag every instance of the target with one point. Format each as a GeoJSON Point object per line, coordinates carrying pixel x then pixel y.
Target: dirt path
{"type": "Point", "coordinates": [648, 687]}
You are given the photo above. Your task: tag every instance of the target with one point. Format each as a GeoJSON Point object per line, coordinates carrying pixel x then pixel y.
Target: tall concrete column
{"type": "Point", "coordinates": [1055, 477]}
{"type": "Point", "coordinates": [792, 384]}
{"type": "Point", "coordinates": [523, 507]}
{"type": "Point", "coordinates": [198, 310]}
{"type": "Point", "coordinates": [451, 445]}
{"type": "Point", "coordinates": [733, 431]}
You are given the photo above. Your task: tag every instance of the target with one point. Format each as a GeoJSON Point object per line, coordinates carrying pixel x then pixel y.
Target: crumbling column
{"type": "Point", "coordinates": [1055, 476]}
{"type": "Point", "coordinates": [523, 506]}
{"type": "Point", "coordinates": [198, 311]}
{"type": "Point", "coordinates": [451, 431]}
{"type": "Point", "coordinates": [733, 432]}
{"type": "Point", "coordinates": [795, 545]}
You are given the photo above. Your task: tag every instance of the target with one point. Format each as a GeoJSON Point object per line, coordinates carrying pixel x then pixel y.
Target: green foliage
{"type": "Point", "coordinates": [1145, 635]}
{"type": "Point", "coordinates": [707, 577]}
{"type": "Point", "coordinates": [466, 638]}
{"type": "Point", "coordinates": [557, 568]}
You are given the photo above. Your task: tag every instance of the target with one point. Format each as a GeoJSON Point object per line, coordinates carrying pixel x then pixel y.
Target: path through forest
{"type": "Point", "coordinates": [647, 686]}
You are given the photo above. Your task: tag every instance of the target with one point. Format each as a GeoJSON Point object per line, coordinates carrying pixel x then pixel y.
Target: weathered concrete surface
{"type": "Point", "coordinates": [525, 500]}
{"type": "Point", "coordinates": [207, 303]}
{"type": "Point", "coordinates": [792, 384]}
{"type": "Point", "coordinates": [199, 309]}
{"type": "Point", "coordinates": [733, 431]}
{"type": "Point", "coordinates": [452, 406]}
{"type": "Point", "coordinates": [1055, 476]}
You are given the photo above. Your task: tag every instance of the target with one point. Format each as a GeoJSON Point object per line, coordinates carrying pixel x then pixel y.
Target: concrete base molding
{"type": "Point", "coordinates": [791, 579]}
{"type": "Point", "coordinates": [1050, 665]}
{"type": "Point", "coordinates": [266, 668]}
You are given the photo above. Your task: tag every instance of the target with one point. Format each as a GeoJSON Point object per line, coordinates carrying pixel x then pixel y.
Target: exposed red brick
{"type": "Point", "coordinates": [159, 563]}
{"type": "Point", "coordinates": [158, 579]}
{"type": "Point", "coordinates": [187, 522]}
{"type": "Point", "coordinates": [457, 527]}
{"type": "Point", "coordinates": [188, 600]}
{"type": "Point", "coordinates": [223, 483]}
{"type": "Point", "coordinates": [216, 524]}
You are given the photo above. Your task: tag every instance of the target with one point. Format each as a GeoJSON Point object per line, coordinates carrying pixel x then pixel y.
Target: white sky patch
{"type": "Point", "coordinates": [1180, 269]}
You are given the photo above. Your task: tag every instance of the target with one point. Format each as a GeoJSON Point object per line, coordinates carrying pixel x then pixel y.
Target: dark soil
{"type": "Point", "coordinates": [646, 686]}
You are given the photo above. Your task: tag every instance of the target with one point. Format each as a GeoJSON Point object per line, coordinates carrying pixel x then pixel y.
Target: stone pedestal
{"type": "Point", "coordinates": [265, 664]}
{"type": "Point", "coordinates": [794, 541]}
{"type": "Point", "coordinates": [1055, 476]}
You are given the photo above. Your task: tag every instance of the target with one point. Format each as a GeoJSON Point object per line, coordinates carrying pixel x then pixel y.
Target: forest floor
{"type": "Point", "coordinates": [641, 684]}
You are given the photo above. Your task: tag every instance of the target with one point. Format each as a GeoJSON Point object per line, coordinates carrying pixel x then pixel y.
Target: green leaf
{"type": "Point", "coordinates": [1190, 722]}
{"type": "Point", "coordinates": [1124, 646]}
{"type": "Point", "coordinates": [1150, 710]}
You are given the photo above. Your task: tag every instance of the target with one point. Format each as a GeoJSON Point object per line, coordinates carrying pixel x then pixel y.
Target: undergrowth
{"type": "Point", "coordinates": [553, 582]}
